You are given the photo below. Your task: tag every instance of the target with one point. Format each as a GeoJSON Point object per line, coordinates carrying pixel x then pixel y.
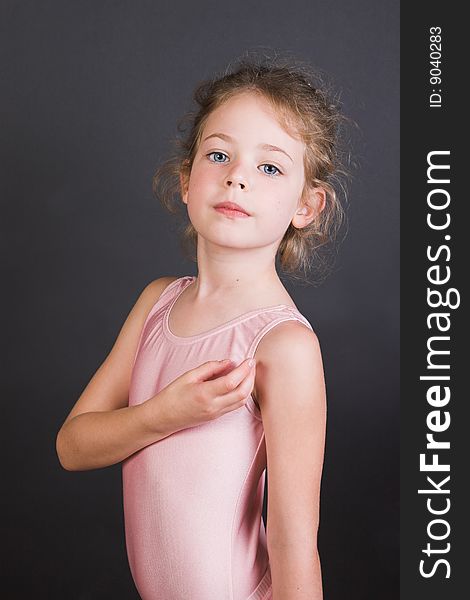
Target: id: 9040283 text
{"type": "Point", "coordinates": [435, 55]}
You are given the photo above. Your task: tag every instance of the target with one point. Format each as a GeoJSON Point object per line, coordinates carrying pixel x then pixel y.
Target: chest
{"type": "Point", "coordinates": [188, 320]}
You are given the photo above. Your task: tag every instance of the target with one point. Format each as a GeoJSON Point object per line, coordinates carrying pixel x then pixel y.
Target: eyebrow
{"type": "Point", "coordinates": [269, 147]}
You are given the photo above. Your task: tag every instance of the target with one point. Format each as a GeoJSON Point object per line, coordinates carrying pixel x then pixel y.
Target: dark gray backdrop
{"type": "Point", "coordinates": [91, 92]}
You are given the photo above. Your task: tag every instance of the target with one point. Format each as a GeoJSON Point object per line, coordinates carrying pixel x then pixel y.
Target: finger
{"type": "Point", "coordinates": [227, 383]}
{"type": "Point", "coordinates": [241, 392]}
{"type": "Point", "coordinates": [209, 369]}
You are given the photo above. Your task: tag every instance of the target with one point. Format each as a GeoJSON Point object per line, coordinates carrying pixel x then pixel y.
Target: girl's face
{"type": "Point", "coordinates": [247, 158]}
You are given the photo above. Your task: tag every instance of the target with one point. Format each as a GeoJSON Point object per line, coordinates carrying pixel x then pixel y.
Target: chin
{"type": "Point", "coordinates": [224, 238]}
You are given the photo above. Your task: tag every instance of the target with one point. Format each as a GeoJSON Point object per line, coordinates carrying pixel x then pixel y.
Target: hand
{"type": "Point", "coordinates": [203, 394]}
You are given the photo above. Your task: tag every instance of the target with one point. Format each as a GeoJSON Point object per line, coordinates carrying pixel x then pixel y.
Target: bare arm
{"type": "Point", "coordinates": [101, 429]}
{"type": "Point", "coordinates": [94, 440]}
{"type": "Point", "coordinates": [290, 391]}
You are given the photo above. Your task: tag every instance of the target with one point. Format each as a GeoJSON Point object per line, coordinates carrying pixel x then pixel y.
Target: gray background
{"type": "Point", "coordinates": [91, 92]}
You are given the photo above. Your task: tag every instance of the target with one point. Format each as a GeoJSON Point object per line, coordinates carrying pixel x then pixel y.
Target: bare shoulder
{"type": "Point", "coordinates": [289, 339]}
{"type": "Point", "coordinates": [153, 290]}
{"type": "Point", "coordinates": [288, 350]}
{"type": "Point", "coordinates": [156, 287]}
{"type": "Point", "coordinates": [291, 396]}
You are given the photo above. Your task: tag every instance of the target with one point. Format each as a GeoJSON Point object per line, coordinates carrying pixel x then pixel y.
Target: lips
{"type": "Point", "coordinates": [232, 206]}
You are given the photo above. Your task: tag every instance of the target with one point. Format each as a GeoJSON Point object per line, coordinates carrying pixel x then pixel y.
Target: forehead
{"type": "Point", "coordinates": [250, 118]}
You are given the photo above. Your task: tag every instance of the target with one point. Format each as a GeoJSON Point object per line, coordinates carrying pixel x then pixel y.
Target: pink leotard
{"type": "Point", "coordinates": [193, 500]}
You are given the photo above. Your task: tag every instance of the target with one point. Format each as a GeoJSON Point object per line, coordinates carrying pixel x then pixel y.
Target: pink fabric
{"type": "Point", "coordinates": [193, 500]}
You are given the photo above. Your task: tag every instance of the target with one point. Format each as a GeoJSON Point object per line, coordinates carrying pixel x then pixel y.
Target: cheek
{"type": "Point", "coordinates": [276, 219]}
{"type": "Point", "coordinates": [198, 198]}
{"type": "Point", "coordinates": [199, 181]}
{"type": "Point", "coordinates": [282, 208]}
{"type": "Point", "coordinates": [194, 193]}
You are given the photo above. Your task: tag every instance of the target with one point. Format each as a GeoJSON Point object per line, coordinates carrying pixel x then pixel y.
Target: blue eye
{"type": "Point", "coordinates": [219, 153]}
{"type": "Point", "coordinates": [222, 154]}
{"type": "Point", "coordinates": [272, 174]}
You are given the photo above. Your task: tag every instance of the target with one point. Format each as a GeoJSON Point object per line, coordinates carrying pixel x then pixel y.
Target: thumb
{"type": "Point", "coordinates": [210, 369]}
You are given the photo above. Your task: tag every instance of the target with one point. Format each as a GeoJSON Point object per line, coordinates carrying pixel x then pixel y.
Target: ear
{"type": "Point", "coordinates": [184, 187]}
{"type": "Point", "coordinates": [310, 206]}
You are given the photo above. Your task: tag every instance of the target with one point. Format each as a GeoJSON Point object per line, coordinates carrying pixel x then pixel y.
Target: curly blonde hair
{"type": "Point", "coordinates": [303, 105]}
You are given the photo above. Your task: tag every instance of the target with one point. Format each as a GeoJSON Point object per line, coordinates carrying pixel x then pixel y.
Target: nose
{"type": "Point", "coordinates": [236, 178]}
{"type": "Point", "coordinates": [230, 181]}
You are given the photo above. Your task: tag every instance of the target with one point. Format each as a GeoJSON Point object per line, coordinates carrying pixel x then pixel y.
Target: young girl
{"type": "Point", "coordinates": [214, 378]}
